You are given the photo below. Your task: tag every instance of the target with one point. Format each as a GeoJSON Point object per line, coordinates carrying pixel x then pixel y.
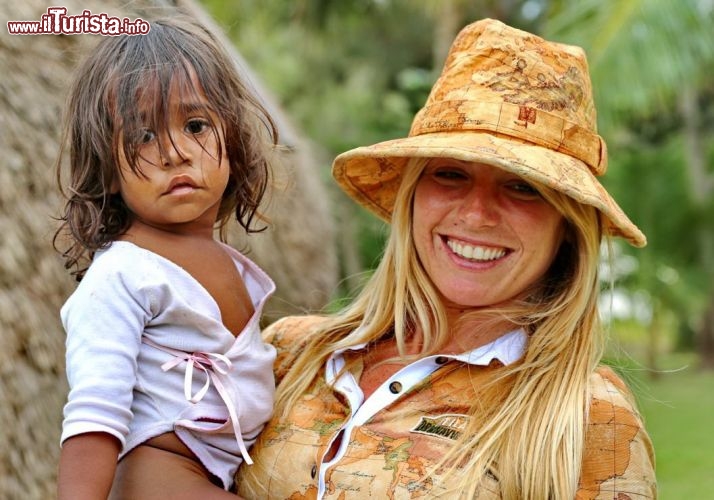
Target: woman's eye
{"type": "Point", "coordinates": [525, 190]}
{"type": "Point", "coordinates": [197, 126]}
{"type": "Point", "coordinates": [449, 174]}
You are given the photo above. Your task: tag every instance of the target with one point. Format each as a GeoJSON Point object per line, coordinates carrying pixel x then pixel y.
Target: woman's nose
{"type": "Point", "coordinates": [480, 206]}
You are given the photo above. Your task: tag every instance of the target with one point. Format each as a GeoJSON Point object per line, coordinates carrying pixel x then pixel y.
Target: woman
{"type": "Point", "coordinates": [469, 364]}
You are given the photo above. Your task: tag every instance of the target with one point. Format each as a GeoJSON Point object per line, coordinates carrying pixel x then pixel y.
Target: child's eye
{"type": "Point", "coordinates": [145, 135]}
{"type": "Point", "coordinates": [197, 126]}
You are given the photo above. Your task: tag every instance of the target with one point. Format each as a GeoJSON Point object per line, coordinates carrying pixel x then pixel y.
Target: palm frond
{"type": "Point", "coordinates": [641, 52]}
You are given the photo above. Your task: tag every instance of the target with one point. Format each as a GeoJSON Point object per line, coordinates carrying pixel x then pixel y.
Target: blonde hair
{"type": "Point", "coordinates": [532, 414]}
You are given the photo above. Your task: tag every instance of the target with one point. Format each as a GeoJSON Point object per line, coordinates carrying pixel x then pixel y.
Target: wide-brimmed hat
{"type": "Point", "coordinates": [505, 98]}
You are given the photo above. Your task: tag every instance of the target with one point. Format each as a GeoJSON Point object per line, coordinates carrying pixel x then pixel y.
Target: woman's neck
{"type": "Point", "coordinates": [467, 332]}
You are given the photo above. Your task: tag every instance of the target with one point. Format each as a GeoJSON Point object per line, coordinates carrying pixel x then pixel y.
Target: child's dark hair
{"type": "Point", "coordinates": [102, 112]}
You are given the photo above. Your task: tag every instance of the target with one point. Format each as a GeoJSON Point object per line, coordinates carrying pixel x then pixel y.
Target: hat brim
{"type": "Point", "coordinates": [371, 175]}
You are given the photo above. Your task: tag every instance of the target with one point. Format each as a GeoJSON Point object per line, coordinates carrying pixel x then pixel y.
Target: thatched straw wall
{"type": "Point", "coordinates": [34, 70]}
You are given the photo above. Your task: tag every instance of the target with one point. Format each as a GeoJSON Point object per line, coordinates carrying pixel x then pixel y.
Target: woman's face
{"type": "Point", "coordinates": [482, 234]}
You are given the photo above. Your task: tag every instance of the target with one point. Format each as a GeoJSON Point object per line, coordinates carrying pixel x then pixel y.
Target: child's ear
{"type": "Point", "coordinates": [114, 188]}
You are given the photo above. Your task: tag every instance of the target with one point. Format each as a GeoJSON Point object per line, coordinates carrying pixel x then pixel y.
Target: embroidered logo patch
{"type": "Point", "coordinates": [447, 426]}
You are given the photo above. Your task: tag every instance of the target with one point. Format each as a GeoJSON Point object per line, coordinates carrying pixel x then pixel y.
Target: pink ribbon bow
{"type": "Point", "coordinates": [216, 367]}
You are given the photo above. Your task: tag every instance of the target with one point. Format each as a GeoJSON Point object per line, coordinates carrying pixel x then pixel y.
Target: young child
{"type": "Point", "coordinates": [170, 382]}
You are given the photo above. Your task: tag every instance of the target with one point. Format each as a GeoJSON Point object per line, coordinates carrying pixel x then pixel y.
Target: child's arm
{"type": "Point", "coordinates": [87, 465]}
{"type": "Point", "coordinates": [104, 320]}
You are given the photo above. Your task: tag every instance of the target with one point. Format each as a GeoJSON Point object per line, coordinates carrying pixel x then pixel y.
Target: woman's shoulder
{"type": "Point", "coordinates": [289, 335]}
{"type": "Point", "coordinates": [291, 331]}
{"type": "Point", "coordinates": [618, 451]}
{"type": "Point", "coordinates": [611, 400]}
{"type": "Point", "coordinates": [606, 385]}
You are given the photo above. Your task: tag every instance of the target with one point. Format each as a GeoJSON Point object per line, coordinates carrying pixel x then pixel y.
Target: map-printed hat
{"type": "Point", "coordinates": [509, 99]}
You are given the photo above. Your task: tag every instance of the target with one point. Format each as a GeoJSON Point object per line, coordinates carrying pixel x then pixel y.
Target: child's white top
{"type": "Point", "coordinates": [143, 336]}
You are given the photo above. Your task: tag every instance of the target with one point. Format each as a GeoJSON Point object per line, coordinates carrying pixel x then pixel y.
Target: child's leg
{"type": "Point", "coordinates": [148, 473]}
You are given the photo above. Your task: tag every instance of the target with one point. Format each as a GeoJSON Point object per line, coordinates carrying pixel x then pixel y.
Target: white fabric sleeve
{"type": "Point", "coordinates": [104, 320]}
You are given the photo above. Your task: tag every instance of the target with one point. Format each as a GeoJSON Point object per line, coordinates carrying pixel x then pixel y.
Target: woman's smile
{"type": "Point", "coordinates": [475, 252]}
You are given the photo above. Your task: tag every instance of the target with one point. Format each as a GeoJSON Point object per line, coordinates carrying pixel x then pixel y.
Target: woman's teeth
{"type": "Point", "coordinates": [473, 252]}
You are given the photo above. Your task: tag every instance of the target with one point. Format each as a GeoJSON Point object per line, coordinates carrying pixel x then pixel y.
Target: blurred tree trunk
{"type": "Point", "coordinates": [701, 183]}
{"type": "Point", "coordinates": [450, 16]}
{"type": "Point", "coordinates": [705, 337]}
{"type": "Point", "coordinates": [656, 333]}
{"type": "Point", "coordinates": [448, 22]}
{"type": "Point", "coordinates": [298, 251]}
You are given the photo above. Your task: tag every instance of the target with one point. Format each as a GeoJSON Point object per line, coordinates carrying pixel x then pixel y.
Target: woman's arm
{"type": "Point", "coordinates": [618, 458]}
{"type": "Point", "coordinates": [87, 465]}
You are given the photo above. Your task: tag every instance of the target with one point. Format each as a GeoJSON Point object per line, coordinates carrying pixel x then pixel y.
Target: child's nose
{"type": "Point", "coordinates": [175, 152]}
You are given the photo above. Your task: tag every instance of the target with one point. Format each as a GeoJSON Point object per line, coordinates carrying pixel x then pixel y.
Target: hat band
{"type": "Point", "coordinates": [517, 121]}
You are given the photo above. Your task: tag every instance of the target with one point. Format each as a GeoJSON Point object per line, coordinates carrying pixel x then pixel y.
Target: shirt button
{"type": "Point", "coordinates": [441, 360]}
{"type": "Point", "coordinates": [313, 471]}
{"type": "Point", "coordinates": [395, 387]}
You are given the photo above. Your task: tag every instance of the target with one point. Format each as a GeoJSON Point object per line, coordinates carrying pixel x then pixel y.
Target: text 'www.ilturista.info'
{"type": "Point", "coordinates": [56, 22]}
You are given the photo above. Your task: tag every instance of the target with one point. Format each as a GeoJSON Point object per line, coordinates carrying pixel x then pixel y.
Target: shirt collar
{"type": "Point", "coordinates": [507, 349]}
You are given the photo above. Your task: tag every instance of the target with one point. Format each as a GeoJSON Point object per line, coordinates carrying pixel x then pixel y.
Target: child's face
{"type": "Point", "coordinates": [180, 190]}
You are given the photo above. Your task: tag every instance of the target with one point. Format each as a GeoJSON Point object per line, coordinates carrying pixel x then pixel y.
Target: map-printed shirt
{"type": "Point", "coordinates": [387, 449]}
